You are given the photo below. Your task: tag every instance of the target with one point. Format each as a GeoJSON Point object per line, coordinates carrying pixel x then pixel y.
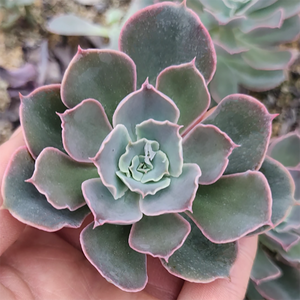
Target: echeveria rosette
{"type": "Point", "coordinates": [160, 176]}
{"type": "Point", "coordinates": [275, 274]}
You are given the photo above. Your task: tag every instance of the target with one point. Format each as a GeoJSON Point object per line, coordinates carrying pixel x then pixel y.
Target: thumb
{"type": "Point", "coordinates": [10, 228]}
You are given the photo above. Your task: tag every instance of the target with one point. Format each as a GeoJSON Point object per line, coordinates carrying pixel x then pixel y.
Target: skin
{"type": "Point", "coordinates": [41, 265]}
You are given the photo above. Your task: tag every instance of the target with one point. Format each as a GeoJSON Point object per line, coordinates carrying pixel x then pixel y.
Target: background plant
{"type": "Point", "coordinates": [275, 274]}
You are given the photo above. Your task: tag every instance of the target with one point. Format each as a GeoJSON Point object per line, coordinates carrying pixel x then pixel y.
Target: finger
{"type": "Point", "coordinates": [10, 228]}
{"type": "Point", "coordinates": [161, 284]}
{"type": "Point", "coordinates": [234, 289]}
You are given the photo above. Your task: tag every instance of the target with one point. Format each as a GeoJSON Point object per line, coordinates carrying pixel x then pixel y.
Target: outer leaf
{"type": "Point", "coordinates": [282, 188]}
{"type": "Point", "coordinates": [287, 144]}
{"type": "Point", "coordinates": [292, 255]}
{"type": "Point", "coordinates": [224, 82]}
{"type": "Point", "coordinates": [144, 189]}
{"type": "Point", "coordinates": [169, 139]}
{"type": "Point", "coordinates": [230, 116]}
{"type": "Point", "coordinates": [146, 103]}
{"type": "Point", "coordinates": [263, 268]}
{"type": "Point", "coordinates": [285, 287]}
{"type": "Point", "coordinates": [263, 59]}
{"type": "Point", "coordinates": [84, 129]}
{"type": "Point", "coordinates": [159, 236]}
{"type": "Point", "coordinates": [105, 75]}
{"type": "Point", "coordinates": [252, 293]}
{"type": "Point", "coordinates": [255, 80]}
{"type": "Point", "coordinates": [261, 19]}
{"type": "Point", "coordinates": [290, 8]}
{"type": "Point", "coordinates": [27, 205]}
{"type": "Point", "coordinates": [285, 239]}
{"type": "Point", "coordinates": [208, 147]}
{"type": "Point", "coordinates": [291, 221]}
{"type": "Point", "coordinates": [270, 36]}
{"type": "Point", "coordinates": [225, 37]}
{"type": "Point", "coordinates": [73, 25]}
{"type": "Point", "coordinates": [108, 210]}
{"type": "Point", "coordinates": [199, 260]}
{"type": "Point", "coordinates": [185, 85]}
{"type": "Point", "coordinates": [155, 34]}
{"type": "Point", "coordinates": [233, 206]}
{"type": "Point", "coordinates": [174, 198]}
{"type": "Point", "coordinates": [61, 186]}
{"type": "Point", "coordinates": [41, 125]}
{"type": "Point", "coordinates": [107, 249]}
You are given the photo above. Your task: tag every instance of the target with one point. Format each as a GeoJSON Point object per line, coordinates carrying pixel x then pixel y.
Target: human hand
{"type": "Point", "coordinates": [40, 265]}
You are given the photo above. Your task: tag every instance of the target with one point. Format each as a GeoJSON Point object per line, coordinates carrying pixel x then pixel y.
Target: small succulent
{"type": "Point", "coordinates": [247, 35]}
{"type": "Point", "coordinates": [276, 271]}
{"type": "Point", "coordinates": [160, 175]}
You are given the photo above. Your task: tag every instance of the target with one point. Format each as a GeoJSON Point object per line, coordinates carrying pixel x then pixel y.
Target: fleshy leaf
{"type": "Point", "coordinates": [159, 236]}
{"type": "Point", "coordinates": [224, 82]}
{"type": "Point", "coordinates": [286, 149]}
{"type": "Point", "coordinates": [71, 25]}
{"type": "Point", "coordinates": [108, 210]}
{"type": "Point", "coordinates": [185, 85]}
{"type": "Point", "coordinates": [285, 287]}
{"type": "Point", "coordinates": [291, 221]}
{"type": "Point", "coordinates": [272, 36]}
{"type": "Point", "coordinates": [169, 139]}
{"type": "Point", "coordinates": [200, 260]}
{"type": "Point", "coordinates": [209, 148]}
{"type": "Point", "coordinates": [61, 186]}
{"type": "Point", "coordinates": [233, 206]}
{"type": "Point", "coordinates": [41, 125]}
{"type": "Point", "coordinates": [174, 198]}
{"type": "Point", "coordinates": [292, 255]}
{"type": "Point", "coordinates": [252, 293]}
{"type": "Point", "coordinates": [106, 75]}
{"type": "Point", "coordinates": [282, 188]}
{"type": "Point", "coordinates": [261, 19]}
{"type": "Point", "coordinates": [146, 103]}
{"type": "Point", "coordinates": [84, 128]}
{"type": "Point", "coordinates": [107, 160]}
{"type": "Point", "coordinates": [144, 189]}
{"type": "Point", "coordinates": [107, 249]}
{"type": "Point", "coordinates": [263, 268]}
{"type": "Point", "coordinates": [27, 205]}
{"type": "Point", "coordinates": [155, 39]}
{"type": "Point", "coordinates": [230, 116]}
{"type": "Point", "coordinates": [285, 239]}
{"type": "Point", "coordinates": [263, 59]}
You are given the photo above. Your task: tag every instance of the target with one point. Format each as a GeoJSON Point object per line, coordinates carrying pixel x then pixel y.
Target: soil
{"type": "Point", "coordinates": [28, 41]}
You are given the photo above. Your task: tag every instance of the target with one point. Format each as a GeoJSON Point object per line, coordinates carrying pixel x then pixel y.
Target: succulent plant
{"type": "Point", "coordinates": [247, 36]}
{"type": "Point", "coordinates": [276, 271]}
{"type": "Point", "coordinates": [160, 175]}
